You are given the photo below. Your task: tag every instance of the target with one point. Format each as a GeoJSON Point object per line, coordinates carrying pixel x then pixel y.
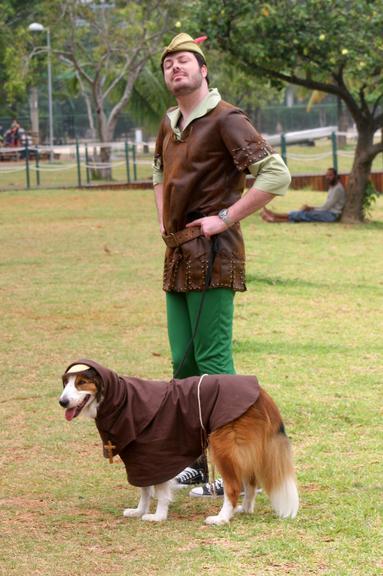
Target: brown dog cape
{"type": "Point", "coordinates": [155, 426]}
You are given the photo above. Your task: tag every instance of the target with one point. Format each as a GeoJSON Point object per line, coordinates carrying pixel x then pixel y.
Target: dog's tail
{"type": "Point", "coordinates": [279, 480]}
{"type": "Point", "coordinates": [277, 474]}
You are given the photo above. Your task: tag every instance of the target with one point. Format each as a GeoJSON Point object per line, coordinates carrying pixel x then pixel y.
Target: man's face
{"type": "Point", "coordinates": [330, 177]}
{"type": "Point", "coordinates": [182, 73]}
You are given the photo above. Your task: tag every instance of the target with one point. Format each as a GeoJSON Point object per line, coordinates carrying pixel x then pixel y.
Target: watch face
{"type": "Point", "coordinates": [224, 215]}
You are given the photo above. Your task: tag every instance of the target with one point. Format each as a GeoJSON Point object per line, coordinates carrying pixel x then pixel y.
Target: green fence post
{"type": "Point", "coordinates": [134, 162]}
{"type": "Point", "coordinates": [284, 148]}
{"type": "Point", "coordinates": [87, 164]}
{"type": "Point", "coordinates": [26, 152]}
{"type": "Point", "coordinates": [127, 160]}
{"type": "Point", "coordinates": [37, 164]}
{"type": "Point", "coordinates": [334, 151]}
{"type": "Point", "coordinates": [78, 159]}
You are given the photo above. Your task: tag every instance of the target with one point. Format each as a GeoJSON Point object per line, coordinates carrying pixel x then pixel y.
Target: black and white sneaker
{"type": "Point", "coordinates": [188, 477]}
{"type": "Point", "coordinates": [210, 489]}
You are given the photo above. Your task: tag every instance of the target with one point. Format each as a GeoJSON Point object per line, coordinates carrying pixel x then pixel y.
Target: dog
{"type": "Point", "coordinates": [244, 433]}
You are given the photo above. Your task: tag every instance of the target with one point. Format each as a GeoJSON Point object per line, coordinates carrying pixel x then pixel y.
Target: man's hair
{"type": "Point", "coordinates": [334, 171]}
{"type": "Point", "coordinates": [200, 60]}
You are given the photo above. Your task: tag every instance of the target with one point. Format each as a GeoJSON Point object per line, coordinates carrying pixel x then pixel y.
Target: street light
{"type": "Point", "coordinates": [36, 27]}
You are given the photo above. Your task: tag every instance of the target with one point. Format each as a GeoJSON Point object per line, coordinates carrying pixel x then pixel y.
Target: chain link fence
{"type": "Point", "coordinates": [129, 164]}
{"type": "Point", "coordinates": [77, 165]}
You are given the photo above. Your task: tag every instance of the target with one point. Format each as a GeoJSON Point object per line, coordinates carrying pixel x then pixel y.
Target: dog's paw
{"type": "Point", "coordinates": [153, 517]}
{"type": "Point", "coordinates": [132, 513]}
{"type": "Point", "coordinates": [244, 509]}
{"type": "Point", "coordinates": [216, 520]}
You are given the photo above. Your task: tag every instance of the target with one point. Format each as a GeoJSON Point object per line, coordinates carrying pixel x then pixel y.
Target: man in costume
{"type": "Point", "coordinates": [204, 149]}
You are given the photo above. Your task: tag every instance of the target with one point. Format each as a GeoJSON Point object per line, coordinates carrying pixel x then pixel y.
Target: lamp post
{"type": "Point", "coordinates": [36, 27]}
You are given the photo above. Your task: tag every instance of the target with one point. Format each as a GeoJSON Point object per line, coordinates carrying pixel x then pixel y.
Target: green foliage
{"type": "Point", "coordinates": [14, 18]}
{"type": "Point", "coordinates": [332, 46]}
{"type": "Point", "coordinates": [108, 45]}
{"type": "Point", "coordinates": [369, 199]}
{"type": "Point", "coordinates": [150, 98]}
{"type": "Point", "coordinates": [103, 44]}
{"type": "Point", "coordinates": [314, 42]}
{"type": "Point", "coordinates": [236, 85]}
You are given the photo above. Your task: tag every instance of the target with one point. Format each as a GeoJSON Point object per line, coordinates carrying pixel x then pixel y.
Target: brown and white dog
{"type": "Point", "coordinates": [250, 451]}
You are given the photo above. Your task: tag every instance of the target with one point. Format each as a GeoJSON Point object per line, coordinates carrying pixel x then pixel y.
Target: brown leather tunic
{"type": "Point", "coordinates": [203, 173]}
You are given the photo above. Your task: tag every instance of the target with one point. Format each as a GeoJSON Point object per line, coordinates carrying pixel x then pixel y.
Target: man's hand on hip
{"type": "Point", "coordinates": [210, 225]}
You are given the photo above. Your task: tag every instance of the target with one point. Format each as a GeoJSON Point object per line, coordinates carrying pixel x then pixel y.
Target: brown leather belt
{"type": "Point", "coordinates": [185, 235]}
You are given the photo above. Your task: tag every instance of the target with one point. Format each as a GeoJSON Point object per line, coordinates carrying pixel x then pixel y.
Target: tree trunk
{"type": "Point", "coordinates": [105, 135]}
{"type": "Point", "coordinates": [106, 158]}
{"type": "Point", "coordinates": [342, 124]}
{"type": "Point", "coordinates": [359, 177]}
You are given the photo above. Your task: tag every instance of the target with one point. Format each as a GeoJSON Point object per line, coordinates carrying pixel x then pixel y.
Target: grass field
{"type": "Point", "coordinates": [81, 277]}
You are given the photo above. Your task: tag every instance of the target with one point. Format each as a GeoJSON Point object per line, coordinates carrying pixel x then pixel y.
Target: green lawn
{"type": "Point", "coordinates": [81, 276]}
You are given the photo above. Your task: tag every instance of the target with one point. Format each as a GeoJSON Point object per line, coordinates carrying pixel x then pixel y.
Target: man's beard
{"type": "Point", "coordinates": [193, 84]}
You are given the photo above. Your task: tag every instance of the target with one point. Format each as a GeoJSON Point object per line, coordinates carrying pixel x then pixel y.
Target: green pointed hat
{"type": "Point", "coordinates": [184, 43]}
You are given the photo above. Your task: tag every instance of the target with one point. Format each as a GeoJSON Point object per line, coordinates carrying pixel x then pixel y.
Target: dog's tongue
{"type": "Point", "coordinates": [70, 413]}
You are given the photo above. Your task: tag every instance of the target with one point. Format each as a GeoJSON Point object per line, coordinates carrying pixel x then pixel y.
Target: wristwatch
{"type": "Point", "coordinates": [224, 215]}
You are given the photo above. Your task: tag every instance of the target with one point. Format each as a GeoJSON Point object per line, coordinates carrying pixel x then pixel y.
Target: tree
{"type": "Point", "coordinates": [334, 46]}
{"type": "Point", "coordinates": [13, 16]}
{"type": "Point", "coordinates": [106, 45]}
{"type": "Point", "coordinates": [241, 89]}
{"type": "Point", "coordinates": [150, 97]}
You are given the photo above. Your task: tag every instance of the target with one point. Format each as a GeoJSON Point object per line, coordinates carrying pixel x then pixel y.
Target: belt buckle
{"type": "Point", "coordinates": [174, 238]}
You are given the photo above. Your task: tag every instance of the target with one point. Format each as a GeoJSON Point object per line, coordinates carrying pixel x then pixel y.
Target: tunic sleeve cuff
{"type": "Point", "coordinates": [157, 177]}
{"type": "Point", "coordinates": [271, 175]}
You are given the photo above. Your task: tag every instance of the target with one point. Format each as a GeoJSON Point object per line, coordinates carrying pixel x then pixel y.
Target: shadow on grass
{"type": "Point", "coordinates": [298, 283]}
{"type": "Point", "coordinates": [374, 224]}
{"type": "Point", "coordinates": [286, 348]}
{"type": "Point", "coordinates": [284, 282]}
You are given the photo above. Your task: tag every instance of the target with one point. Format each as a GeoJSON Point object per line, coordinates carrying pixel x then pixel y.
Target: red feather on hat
{"type": "Point", "coordinates": [200, 39]}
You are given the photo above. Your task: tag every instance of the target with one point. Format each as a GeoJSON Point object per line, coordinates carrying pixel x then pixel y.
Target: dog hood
{"type": "Point", "coordinates": [128, 404]}
{"type": "Point", "coordinates": [155, 426]}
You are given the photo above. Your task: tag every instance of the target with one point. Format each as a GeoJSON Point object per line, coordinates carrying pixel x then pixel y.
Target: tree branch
{"type": "Point", "coordinates": [376, 149]}
{"type": "Point", "coordinates": [126, 95]}
{"type": "Point", "coordinates": [338, 90]}
{"type": "Point", "coordinates": [378, 122]}
{"type": "Point", "coordinates": [376, 104]}
{"type": "Point", "coordinates": [357, 113]}
{"type": "Point", "coordinates": [113, 84]}
{"type": "Point", "coordinates": [363, 101]}
{"type": "Point", "coordinates": [70, 57]}
{"type": "Point", "coordinates": [132, 62]}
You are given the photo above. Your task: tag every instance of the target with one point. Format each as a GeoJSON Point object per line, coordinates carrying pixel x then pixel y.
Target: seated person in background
{"type": "Point", "coordinates": [12, 136]}
{"type": "Point", "coordinates": [330, 211]}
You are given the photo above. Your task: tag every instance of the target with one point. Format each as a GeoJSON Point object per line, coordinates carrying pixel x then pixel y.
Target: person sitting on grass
{"type": "Point", "coordinates": [330, 211]}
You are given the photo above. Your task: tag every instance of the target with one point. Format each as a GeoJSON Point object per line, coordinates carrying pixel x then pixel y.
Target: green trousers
{"type": "Point", "coordinates": [211, 351]}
